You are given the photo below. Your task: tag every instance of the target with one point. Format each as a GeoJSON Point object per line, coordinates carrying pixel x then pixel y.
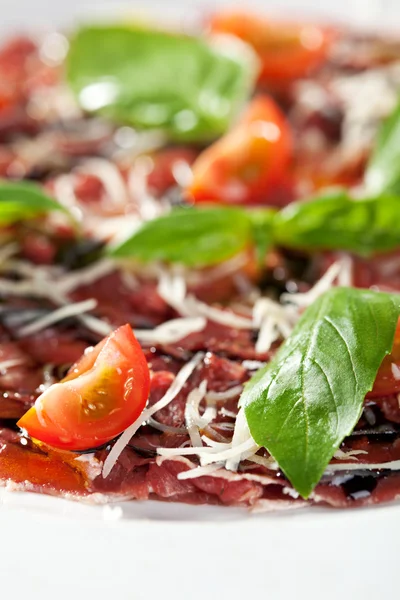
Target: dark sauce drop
{"type": "Point", "coordinates": [360, 486]}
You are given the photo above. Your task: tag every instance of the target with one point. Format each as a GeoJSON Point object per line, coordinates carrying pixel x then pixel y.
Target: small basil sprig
{"type": "Point", "coordinates": [262, 221]}
{"type": "Point", "coordinates": [20, 201]}
{"type": "Point", "coordinates": [195, 237]}
{"type": "Point", "coordinates": [335, 221]}
{"type": "Point", "coordinates": [310, 396]}
{"type": "Point", "coordinates": [383, 170]}
{"type": "Point", "coordinates": [187, 87]}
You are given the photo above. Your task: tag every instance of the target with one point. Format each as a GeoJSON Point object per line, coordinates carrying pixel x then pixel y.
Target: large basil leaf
{"type": "Point", "coordinates": [20, 201]}
{"type": "Point", "coordinates": [337, 222]}
{"type": "Point", "coordinates": [383, 171]}
{"type": "Point", "coordinates": [190, 236]}
{"type": "Point", "coordinates": [310, 396]}
{"type": "Point", "coordinates": [154, 79]}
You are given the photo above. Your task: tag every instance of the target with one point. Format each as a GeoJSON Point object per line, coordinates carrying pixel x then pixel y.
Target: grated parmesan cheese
{"type": "Point", "coordinates": [213, 397]}
{"type": "Point", "coordinates": [172, 331]}
{"type": "Point", "coordinates": [199, 472]}
{"type": "Point", "coordinates": [322, 286]}
{"type": "Point", "coordinates": [392, 465]}
{"type": "Point", "coordinates": [8, 251]}
{"type": "Point", "coordinates": [85, 276]}
{"type": "Point", "coordinates": [212, 454]}
{"type": "Point", "coordinates": [172, 290]}
{"type": "Point", "coordinates": [148, 206]}
{"type": "Point", "coordinates": [241, 435]}
{"type": "Point", "coordinates": [395, 371]}
{"type": "Point", "coordinates": [217, 315]}
{"type": "Point", "coordinates": [9, 364]}
{"type": "Point", "coordinates": [59, 314]}
{"type": "Point", "coordinates": [274, 321]}
{"type": "Point", "coordinates": [176, 386]}
{"type": "Point", "coordinates": [110, 176]}
{"type": "Point", "coordinates": [253, 365]}
{"type": "Point", "coordinates": [227, 413]}
{"type": "Point", "coordinates": [351, 455]}
{"type": "Point", "coordinates": [194, 421]}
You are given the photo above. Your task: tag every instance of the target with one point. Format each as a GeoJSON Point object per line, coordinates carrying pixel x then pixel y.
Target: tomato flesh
{"type": "Point", "coordinates": [250, 164]}
{"type": "Point", "coordinates": [103, 393]}
{"type": "Point", "coordinates": [287, 51]}
{"type": "Point", "coordinates": [387, 381]}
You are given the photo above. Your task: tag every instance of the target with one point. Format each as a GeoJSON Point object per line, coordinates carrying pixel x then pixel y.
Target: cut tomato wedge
{"type": "Point", "coordinates": [250, 164]}
{"type": "Point", "coordinates": [287, 51]}
{"type": "Point", "coordinates": [103, 393]}
{"type": "Point", "coordinates": [387, 381]}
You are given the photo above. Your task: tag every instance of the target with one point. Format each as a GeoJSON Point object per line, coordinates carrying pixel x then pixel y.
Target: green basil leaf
{"type": "Point", "coordinates": [20, 201]}
{"type": "Point", "coordinates": [337, 222]}
{"type": "Point", "coordinates": [262, 221]}
{"type": "Point", "coordinates": [383, 171]}
{"type": "Point", "coordinates": [153, 79]}
{"type": "Point", "coordinates": [310, 396]}
{"type": "Point", "coordinates": [190, 236]}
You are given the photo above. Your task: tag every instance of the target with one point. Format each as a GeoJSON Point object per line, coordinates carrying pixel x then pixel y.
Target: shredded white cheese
{"type": "Point", "coordinates": [148, 206]}
{"type": "Point", "coordinates": [194, 421]}
{"type": "Point", "coordinates": [5, 365]}
{"type": "Point", "coordinates": [110, 176]}
{"type": "Point", "coordinates": [86, 276]}
{"type": "Point", "coordinates": [198, 472]}
{"type": "Point", "coordinates": [212, 454]}
{"type": "Point", "coordinates": [253, 365]}
{"type": "Point", "coordinates": [241, 435]}
{"type": "Point", "coordinates": [176, 386]}
{"type": "Point", "coordinates": [227, 413]}
{"type": "Point", "coordinates": [213, 397]}
{"type": "Point", "coordinates": [367, 98]}
{"type": "Point", "coordinates": [322, 286]}
{"type": "Point", "coordinates": [395, 371]}
{"type": "Point", "coordinates": [392, 466]}
{"type": "Point", "coordinates": [172, 331]}
{"type": "Point", "coordinates": [274, 321]}
{"type": "Point", "coordinates": [350, 455]}
{"type": "Point", "coordinates": [217, 315]}
{"type": "Point", "coordinates": [173, 291]}
{"type": "Point", "coordinates": [59, 314]}
{"type": "Point", "coordinates": [8, 251]}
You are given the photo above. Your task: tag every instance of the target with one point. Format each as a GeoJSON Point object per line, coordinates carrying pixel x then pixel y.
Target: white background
{"type": "Point", "coordinates": [51, 549]}
{"type": "Point", "coordinates": [22, 13]}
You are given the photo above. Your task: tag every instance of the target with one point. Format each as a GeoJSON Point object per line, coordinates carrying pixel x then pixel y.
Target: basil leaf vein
{"type": "Point", "coordinates": [20, 201]}
{"type": "Point", "coordinates": [310, 396]}
{"type": "Point", "coordinates": [182, 85]}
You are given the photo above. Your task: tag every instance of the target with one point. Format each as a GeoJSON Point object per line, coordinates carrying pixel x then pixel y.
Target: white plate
{"type": "Point", "coordinates": [53, 549]}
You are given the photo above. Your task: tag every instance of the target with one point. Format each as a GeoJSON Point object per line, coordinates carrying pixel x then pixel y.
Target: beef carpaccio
{"type": "Point", "coordinates": [209, 215]}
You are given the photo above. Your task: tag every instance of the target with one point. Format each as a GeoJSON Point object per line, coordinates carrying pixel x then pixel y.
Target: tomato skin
{"type": "Point", "coordinates": [251, 163]}
{"type": "Point", "coordinates": [103, 393]}
{"type": "Point", "coordinates": [387, 381]}
{"type": "Point", "coordinates": [288, 51]}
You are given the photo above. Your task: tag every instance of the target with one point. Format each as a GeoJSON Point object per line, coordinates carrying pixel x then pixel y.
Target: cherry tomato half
{"type": "Point", "coordinates": [250, 164]}
{"type": "Point", "coordinates": [387, 381]}
{"type": "Point", "coordinates": [288, 51]}
{"type": "Point", "coordinates": [103, 393]}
